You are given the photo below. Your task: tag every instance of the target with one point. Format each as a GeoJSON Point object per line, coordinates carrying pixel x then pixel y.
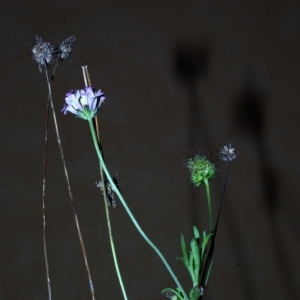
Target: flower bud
{"type": "Point", "coordinates": [201, 169]}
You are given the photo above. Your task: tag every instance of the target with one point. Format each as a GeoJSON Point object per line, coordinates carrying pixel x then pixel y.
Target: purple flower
{"type": "Point", "coordinates": [85, 104]}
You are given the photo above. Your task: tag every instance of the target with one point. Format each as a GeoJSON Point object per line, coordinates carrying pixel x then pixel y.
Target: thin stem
{"type": "Point", "coordinates": [116, 190]}
{"type": "Point", "coordinates": [44, 199]}
{"type": "Point", "coordinates": [210, 215]}
{"type": "Point", "coordinates": [113, 246]}
{"type": "Point", "coordinates": [222, 198]}
{"type": "Point", "coordinates": [69, 189]}
{"type": "Point", "coordinates": [87, 82]}
{"type": "Point", "coordinates": [44, 187]}
{"type": "Point", "coordinates": [209, 259]}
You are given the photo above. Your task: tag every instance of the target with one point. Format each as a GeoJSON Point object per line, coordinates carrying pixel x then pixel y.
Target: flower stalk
{"type": "Point", "coordinates": [87, 82]}
{"type": "Point", "coordinates": [69, 190]}
{"type": "Point", "coordinates": [116, 190]}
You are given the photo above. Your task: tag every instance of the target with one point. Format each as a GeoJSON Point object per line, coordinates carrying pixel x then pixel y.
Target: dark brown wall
{"type": "Point", "coordinates": [179, 77]}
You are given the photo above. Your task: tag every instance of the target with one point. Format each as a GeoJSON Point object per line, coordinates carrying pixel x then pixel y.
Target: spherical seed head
{"type": "Point", "coordinates": [42, 52]}
{"type": "Point", "coordinates": [227, 153]}
{"type": "Point", "coordinates": [201, 169]}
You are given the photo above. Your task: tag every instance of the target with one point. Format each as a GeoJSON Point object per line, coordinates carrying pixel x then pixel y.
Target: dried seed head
{"type": "Point", "coordinates": [109, 191]}
{"type": "Point", "coordinates": [171, 295]}
{"type": "Point", "coordinates": [42, 52]}
{"type": "Point", "coordinates": [227, 153]}
{"type": "Point", "coordinates": [64, 49]}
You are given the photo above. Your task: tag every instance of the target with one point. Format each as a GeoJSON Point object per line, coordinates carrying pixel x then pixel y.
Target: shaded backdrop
{"type": "Point", "coordinates": [180, 77]}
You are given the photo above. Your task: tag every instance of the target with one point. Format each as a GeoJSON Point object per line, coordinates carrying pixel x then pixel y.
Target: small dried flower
{"type": "Point", "coordinates": [64, 49]}
{"type": "Point", "coordinates": [227, 153]}
{"type": "Point", "coordinates": [109, 191]}
{"type": "Point", "coordinates": [201, 169]}
{"type": "Point", "coordinates": [171, 295]}
{"type": "Point", "coordinates": [42, 52]}
{"type": "Point", "coordinates": [85, 104]}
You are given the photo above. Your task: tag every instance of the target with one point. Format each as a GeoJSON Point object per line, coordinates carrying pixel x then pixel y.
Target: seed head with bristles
{"type": "Point", "coordinates": [227, 153]}
{"type": "Point", "coordinates": [42, 52]}
{"type": "Point", "coordinates": [201, 169]}
{"type": "Point", "coordinates": [64, 49]}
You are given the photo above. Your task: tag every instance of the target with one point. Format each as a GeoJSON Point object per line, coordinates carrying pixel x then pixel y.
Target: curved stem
{"type": "Point", "coordinates": [116, 190]}
{"type": "Point", "coordinates": [87, 82]}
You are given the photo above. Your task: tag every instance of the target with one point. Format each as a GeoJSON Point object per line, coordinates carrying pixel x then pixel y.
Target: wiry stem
{"type": "Point", "coordinates": [69, 189]}
{"type": "Point", "coordinates": [209, 258]}
{"type": "Point", "coordinates": [116, 190]}
{"type": "Point", "coordinates": [87, 82]}
{"type": "Point", "coordinates": [44, 191]}
{"type": "Point", "coordinates": [44, 199]}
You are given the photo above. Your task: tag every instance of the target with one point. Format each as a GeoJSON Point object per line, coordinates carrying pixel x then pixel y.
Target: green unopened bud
{"type": "Point", "coordinates": [201, 169]}
{"type": "Point", "coordinates": [195, 293]}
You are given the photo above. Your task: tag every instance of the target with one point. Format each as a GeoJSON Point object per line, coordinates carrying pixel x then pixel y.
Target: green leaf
{"type": "Point", "coordinates": [186, 263]}
{"type": "Point", "coordinates": [196, 256]}
{"type": "Point", "coordinates": [183, 247]}
{"type": "Point", "coordinates": [191, 268]}
{"type": "Point", "coordinates": [185, 260]}
{"type": "Point", "coordinates": [204, 244]}
{"type": "Point", "coordinates": [196, 233]}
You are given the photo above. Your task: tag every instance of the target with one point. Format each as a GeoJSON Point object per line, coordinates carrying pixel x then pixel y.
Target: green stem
{"type": "Point", "coordinates": [110, 233]}
{"type": "Point", "coordinates": [211, 226]}
{"type": "Point", "coordinates": [116, 190]}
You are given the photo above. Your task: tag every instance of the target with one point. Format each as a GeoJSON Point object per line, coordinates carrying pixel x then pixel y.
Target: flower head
{"type": "Point", "coordinates": [85, 104]}
{"type": "Point", "coordinates": [64, 49]}
{"type": "Point", "coordinates": [201, 169]}
{"type": "Point", "coordinates": [227, 153]}
{"type": "Point", "coordinates": [42, 52]}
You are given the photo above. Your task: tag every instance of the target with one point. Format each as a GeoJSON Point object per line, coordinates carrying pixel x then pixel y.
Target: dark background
{"type": "Point", "coordinates": [180, 77]}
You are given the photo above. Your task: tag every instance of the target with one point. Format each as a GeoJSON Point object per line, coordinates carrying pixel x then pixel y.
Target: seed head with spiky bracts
{"type": "Point", "coordinates": [201, 169]}
{"type": "Point", "coordinates": [64, 49]}
{"type": "Point", "coordinates": [42, 52]}
{"type": "Point", "coordinates": [227, 153]}
{"type": "Point", "coordinates": [109, 193]}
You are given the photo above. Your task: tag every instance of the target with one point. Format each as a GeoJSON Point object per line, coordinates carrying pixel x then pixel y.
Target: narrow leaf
{"type": "Point", "coordinates": [196, 256]}
{"type": "Point", "coordinates": [186, 263]}
{"type": "Point", "coordinates": [196, 233]}
{"type": "Point", "coordinates": [183, 247]}
{"type": "Point", "coordinates": [204, 244]}
{"type": "Point", "coordinates": [191, 268]}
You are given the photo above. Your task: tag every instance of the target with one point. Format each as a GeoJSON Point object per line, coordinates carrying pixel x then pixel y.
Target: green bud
{"type": "Point", "coordinates": [201, 169]}
{"type": "Point", "coordinates": [195, 293]}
